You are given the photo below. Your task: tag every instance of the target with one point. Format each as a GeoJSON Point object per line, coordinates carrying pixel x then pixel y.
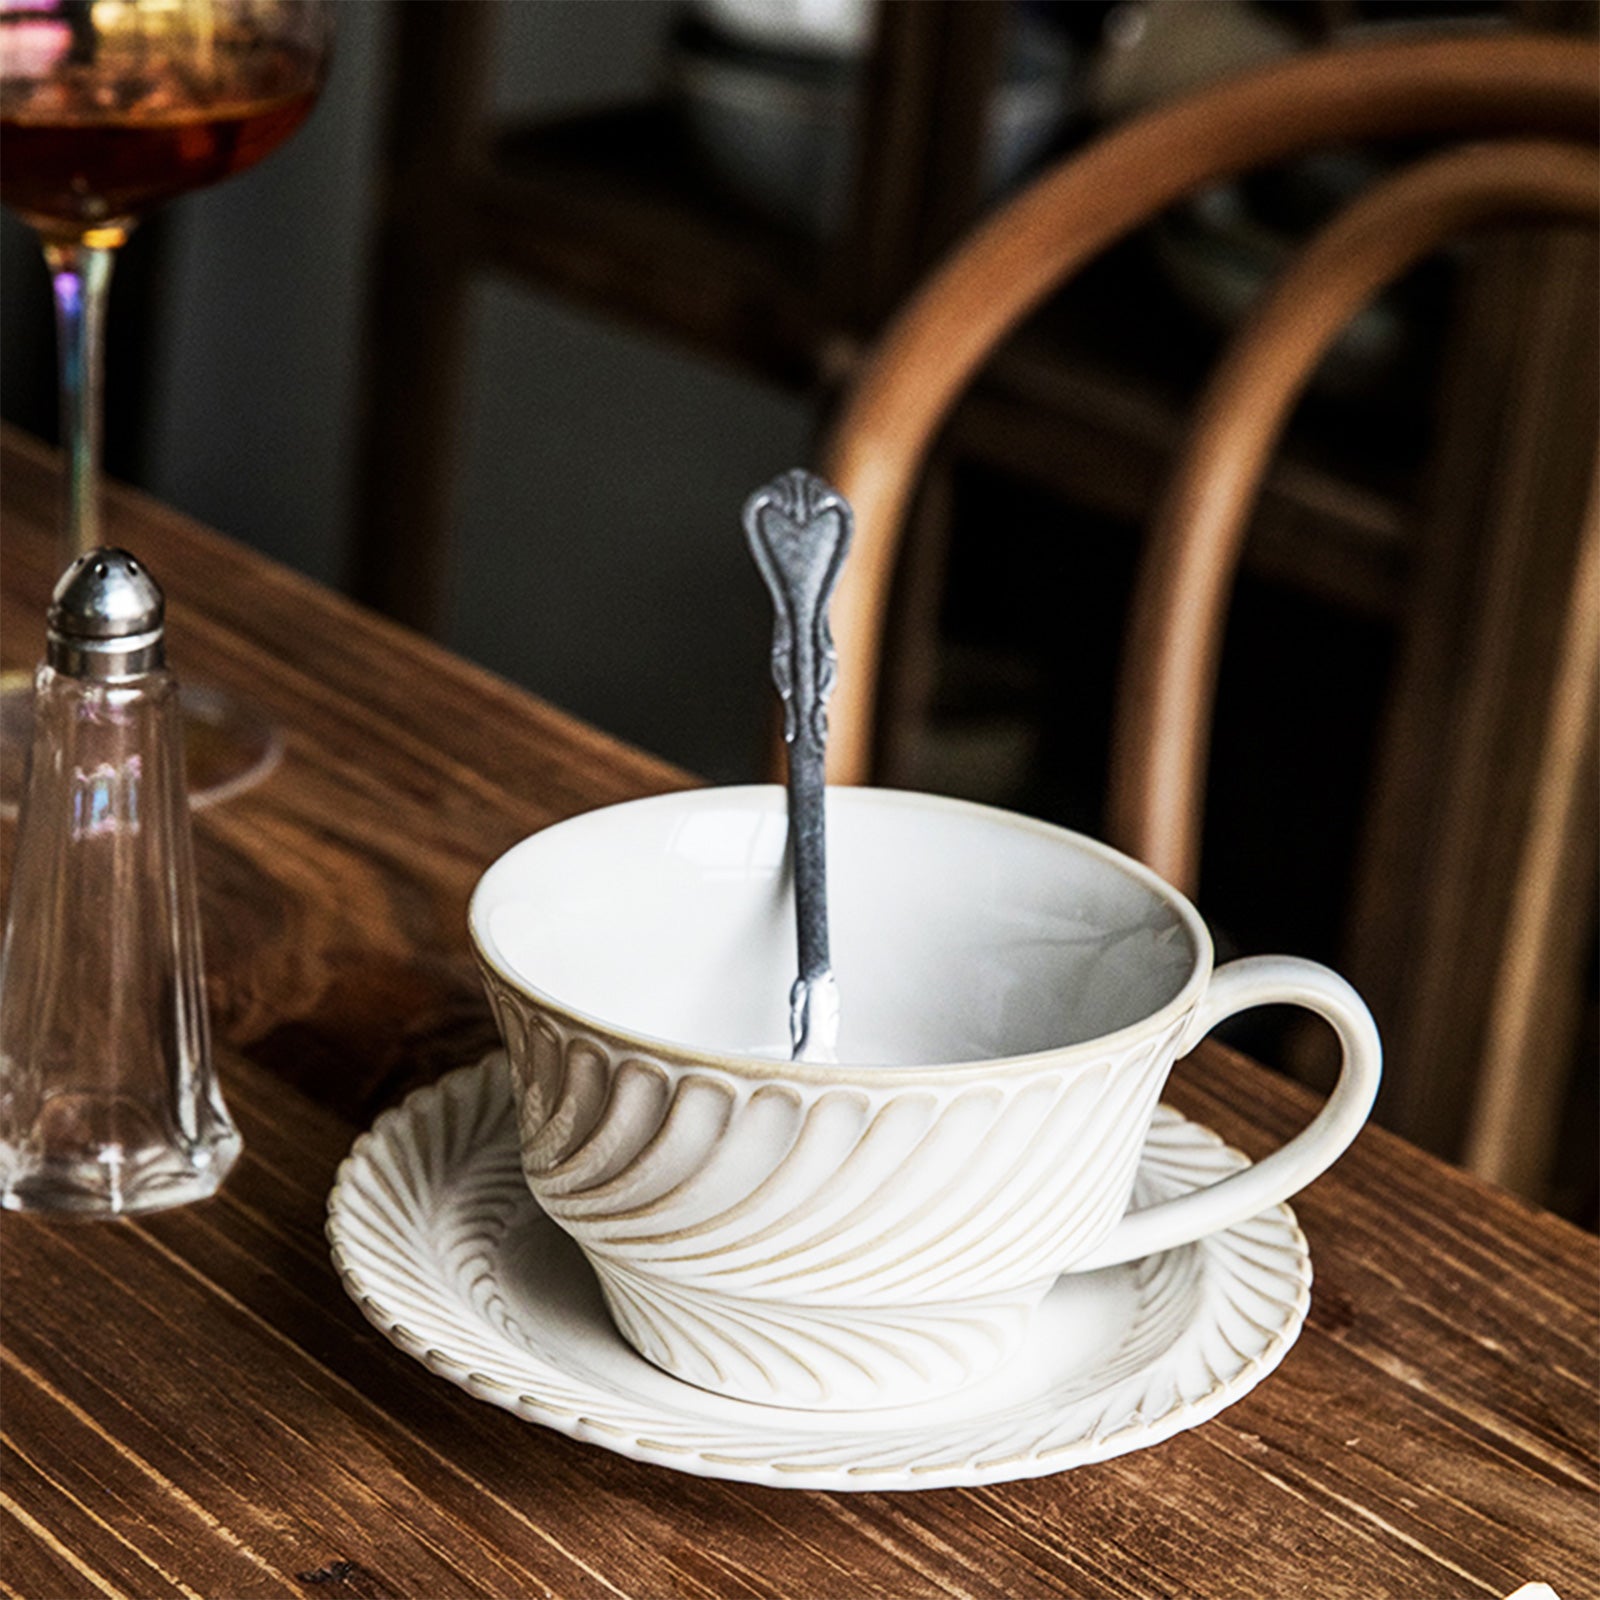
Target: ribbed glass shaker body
{"type": "Point", "coordinates": [108, 1100]}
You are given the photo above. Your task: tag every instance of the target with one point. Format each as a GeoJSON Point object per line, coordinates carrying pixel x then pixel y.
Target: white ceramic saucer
{"type": "Point", "coordinates": [439, 1241]}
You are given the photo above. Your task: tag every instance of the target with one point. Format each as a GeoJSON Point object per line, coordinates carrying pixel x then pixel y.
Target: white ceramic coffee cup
{"type": "Point", "coordinates": [879, 1231]}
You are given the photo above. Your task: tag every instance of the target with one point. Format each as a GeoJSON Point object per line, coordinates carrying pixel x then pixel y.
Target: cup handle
{"type": "Point", "coordinates": [1260, 981]}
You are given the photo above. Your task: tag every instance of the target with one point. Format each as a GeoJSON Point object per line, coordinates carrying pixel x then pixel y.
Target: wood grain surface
{"type": "Point", "coordinates": [190, 1405]}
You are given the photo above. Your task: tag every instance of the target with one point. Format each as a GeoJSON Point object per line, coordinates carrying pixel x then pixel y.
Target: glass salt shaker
{"type": "Point", "coordinates": [108, 1101]}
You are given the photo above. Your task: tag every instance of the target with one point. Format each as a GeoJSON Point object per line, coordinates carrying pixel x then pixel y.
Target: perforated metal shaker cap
{"type": "Point", "coordinates": [106, 618]}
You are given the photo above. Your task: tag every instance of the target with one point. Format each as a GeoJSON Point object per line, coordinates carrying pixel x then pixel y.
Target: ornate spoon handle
{"type": "Point", "coordinates": [799, 530]}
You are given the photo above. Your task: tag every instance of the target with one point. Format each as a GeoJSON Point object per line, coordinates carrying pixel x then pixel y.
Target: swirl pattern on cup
{"type": "Point", "coordinates": [820, 1244]}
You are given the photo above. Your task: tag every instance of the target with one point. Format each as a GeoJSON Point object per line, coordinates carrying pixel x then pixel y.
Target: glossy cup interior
{"type": "Point", "coordinates": [959, 933]}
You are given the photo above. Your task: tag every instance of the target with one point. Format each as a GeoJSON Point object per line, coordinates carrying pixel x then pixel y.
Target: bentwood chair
{"type": "Point", "coordinates": [1488, 958]}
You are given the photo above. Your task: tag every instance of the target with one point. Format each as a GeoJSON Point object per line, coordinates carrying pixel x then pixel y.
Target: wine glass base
{"type": "Point", "coordinates": [228, 746]}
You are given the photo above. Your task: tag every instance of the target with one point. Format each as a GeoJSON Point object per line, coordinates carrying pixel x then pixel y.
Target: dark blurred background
{"type": "Point", "coordinates": [521, 407]}
{"type": "Point", "coordinates": [598, 462]}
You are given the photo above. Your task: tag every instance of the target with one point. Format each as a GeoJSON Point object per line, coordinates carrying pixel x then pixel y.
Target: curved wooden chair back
{"type": "Point", "coordinates": [1035, 243]}
{"type": "Point", "coordinates": [1162, 726]}
{"type": "Point", "coordinates": [1507, 89]}
{"type": "Point", "coordinates": [1163, 715]}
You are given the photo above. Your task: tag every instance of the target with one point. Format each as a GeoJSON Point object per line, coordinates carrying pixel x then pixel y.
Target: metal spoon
{"type": "Point", "coordinates": [799, 530]}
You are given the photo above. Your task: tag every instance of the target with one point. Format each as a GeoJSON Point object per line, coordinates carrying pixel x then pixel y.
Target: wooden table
{"type": "Point", "coordinates": [192, 1406]}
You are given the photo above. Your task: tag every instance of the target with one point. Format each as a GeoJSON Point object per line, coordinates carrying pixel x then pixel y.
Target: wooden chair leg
{"type": "Point", "coordinates": [400, 541]}
{"type": "Point", "coordinates": [924, 112]}
{"type": "Point", "coordinates": [416, 314]}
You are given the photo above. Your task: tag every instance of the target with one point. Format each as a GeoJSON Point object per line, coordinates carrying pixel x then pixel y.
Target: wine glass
{"type": "Point", "coordinates": [109, 108]}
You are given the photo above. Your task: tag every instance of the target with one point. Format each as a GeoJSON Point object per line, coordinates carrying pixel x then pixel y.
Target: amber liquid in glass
{"type": "Point", "coordinates": [72, 167]}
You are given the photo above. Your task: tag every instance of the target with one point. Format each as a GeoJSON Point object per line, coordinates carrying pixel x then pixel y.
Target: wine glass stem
{"type": "Point", "coordinates": [80, 276]}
